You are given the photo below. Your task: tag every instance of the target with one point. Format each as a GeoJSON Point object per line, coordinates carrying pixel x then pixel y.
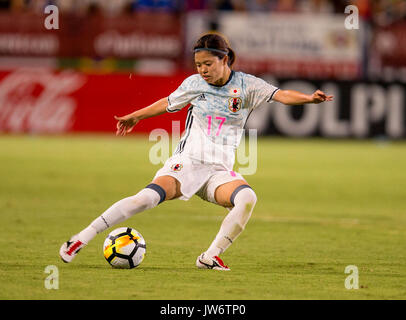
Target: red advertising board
{"type": "Point", "coordinates": [46, 101]}
{"type": "Point", "coordinates": [139, 35]}
{"type": "Point", "coordinates": [389, 44]}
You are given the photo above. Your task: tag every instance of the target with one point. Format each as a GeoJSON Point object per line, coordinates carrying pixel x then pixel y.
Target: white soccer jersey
{"type": "Point", "coordinates": [217, 115]}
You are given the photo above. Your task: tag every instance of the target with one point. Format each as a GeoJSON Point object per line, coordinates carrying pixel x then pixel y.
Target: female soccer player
{"type": "Point", "coordinates": [220, 101]}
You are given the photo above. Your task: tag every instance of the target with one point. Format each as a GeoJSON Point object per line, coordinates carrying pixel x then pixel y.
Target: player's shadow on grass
{"type": "Point", "coordinates": [164, 268]}
{"type": "Point", "coordinates": [85, 266]}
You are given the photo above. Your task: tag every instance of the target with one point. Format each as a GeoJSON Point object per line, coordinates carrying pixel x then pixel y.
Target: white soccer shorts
{"type": "Point", "coordinates": [196, 177]}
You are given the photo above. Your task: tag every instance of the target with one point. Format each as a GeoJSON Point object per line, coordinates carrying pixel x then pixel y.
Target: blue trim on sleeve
{"type": "Point", "coordinates": [273, 93]}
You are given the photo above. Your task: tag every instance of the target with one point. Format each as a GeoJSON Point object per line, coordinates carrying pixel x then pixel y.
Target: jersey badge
{"type": "Point", "coordinates": [234, 104]}
{"type": "Point", "coordinates": [177, 167]}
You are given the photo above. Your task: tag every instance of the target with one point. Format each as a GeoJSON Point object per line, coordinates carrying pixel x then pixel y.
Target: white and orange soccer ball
{"type": "Point", "coordinates": [124, 248]}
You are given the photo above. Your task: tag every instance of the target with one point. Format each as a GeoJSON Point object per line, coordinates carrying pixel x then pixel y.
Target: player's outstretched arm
{"type": "Point", "coordinates": [127, 123]}
{"type": "Point", "coordinates": [292, 97]}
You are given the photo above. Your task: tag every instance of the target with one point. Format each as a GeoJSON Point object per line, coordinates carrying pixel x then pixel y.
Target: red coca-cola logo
{"type": "Point", "coordinates": [38, 101]}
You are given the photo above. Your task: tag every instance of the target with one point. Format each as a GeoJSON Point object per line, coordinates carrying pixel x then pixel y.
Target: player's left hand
{"type": "Point", "coordinates": [319, 96]}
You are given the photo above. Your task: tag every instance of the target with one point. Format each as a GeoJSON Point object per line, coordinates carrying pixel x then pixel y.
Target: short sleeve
{"type": "Point", "coordinates": [183, 95]}
{"type": "Point", "coordinates": [260, 91]}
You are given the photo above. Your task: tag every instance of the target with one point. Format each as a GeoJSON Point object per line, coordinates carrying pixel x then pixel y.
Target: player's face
{"type": "Point", "coordinates": [211, 68]}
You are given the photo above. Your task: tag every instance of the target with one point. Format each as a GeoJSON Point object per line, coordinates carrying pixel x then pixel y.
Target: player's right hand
{"type": "Point", "coordinates": [125, 124]}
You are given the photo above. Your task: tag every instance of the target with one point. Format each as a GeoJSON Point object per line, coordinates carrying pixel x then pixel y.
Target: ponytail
{"type": "Point", "coordinates": [231, 57]}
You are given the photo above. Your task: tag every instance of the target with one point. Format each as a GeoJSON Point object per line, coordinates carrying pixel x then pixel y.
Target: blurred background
{"type": "Point", "coordinates": [111, 57]}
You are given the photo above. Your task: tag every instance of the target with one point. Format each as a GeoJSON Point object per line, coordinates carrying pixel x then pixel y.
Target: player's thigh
{"type": "Point", "coordinates": [223, 192]}
{"type": "Point", "coordinates": [170, 185]}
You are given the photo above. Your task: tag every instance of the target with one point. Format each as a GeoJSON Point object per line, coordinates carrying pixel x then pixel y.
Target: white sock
{"type": "Point", "coordinates": [122, 210]}
{"type": "Point", "coordinates": [235, 221]}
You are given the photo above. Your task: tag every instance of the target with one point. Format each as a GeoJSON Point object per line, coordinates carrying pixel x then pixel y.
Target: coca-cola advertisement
{"type": "Point", "coordinates": [46, 101]}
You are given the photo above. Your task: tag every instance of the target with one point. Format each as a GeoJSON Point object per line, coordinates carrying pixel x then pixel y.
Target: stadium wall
{"type": "Point", "coordinates": [54, 102]}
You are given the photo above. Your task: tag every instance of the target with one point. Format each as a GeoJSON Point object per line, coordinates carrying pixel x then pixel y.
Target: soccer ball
{"type": "Point", "coordinates": [124, 248]}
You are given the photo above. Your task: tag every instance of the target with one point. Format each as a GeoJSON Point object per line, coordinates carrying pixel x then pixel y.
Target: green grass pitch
{"type": "Point", "coordinates": [322, 205]}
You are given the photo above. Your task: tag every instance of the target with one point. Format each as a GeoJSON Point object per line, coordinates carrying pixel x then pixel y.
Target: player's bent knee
{"type": "Point", "coordinates": [244, 195]}
{"type": "Point", "coordinates": [244, 199]}
{"type": "Point", "coordinates": [250, 199]}
{"type": "Point", "coordinates": [251, 196]}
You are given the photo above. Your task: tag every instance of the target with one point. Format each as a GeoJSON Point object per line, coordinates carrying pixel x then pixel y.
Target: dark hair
{"type": "Point", "coordinates": [218, 44]}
